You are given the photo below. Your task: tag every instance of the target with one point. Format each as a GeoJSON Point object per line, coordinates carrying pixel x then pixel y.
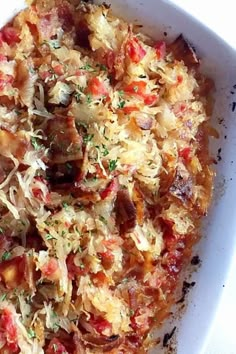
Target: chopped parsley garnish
{"type": "Point", "coordinates": [80, 88]}
{"type": "Point", "coordinates": [49, 237]}
{"type": "Point", "coordinates": [82, 266]}
{"type": "Point", "coordinates": [104, 133]}
{"type": "Point", "coordinates": [65, 205]}
{"type": "Point", "coordinates": [102, 219]}
{"type": "Point", "coordinates": [121, 104]}
{"type": "Point", "coordinates": [68, 166]}
{"type": "Point", "coordinates": [135, 88]}
{"type": "Point", "coordinates": [88, 138]}
{"type": "Point", "coordinates": [103, 67]}
{"type": "Point", "coordinates": [77, 96]}
{"type": "Point", "coordinates": [121, 93]}
{"type": "Point", "coordinates": [3, 297]}
{"type": "Point", "coordinates": [31, 333]}
{"type": "Point", "coordinates": [86, 67]}
{"type": "Point", "coordinates": [1, 230]}
{"type": "Point", "coordinates": [35, 143]}
{"type": "Point", "coordinates": [131, 312]}
{"type": "Point", "coordinates": [54, 43]}
{"type": "Point", "coordinates": [6, 255]}
{"type": "Point", "coordinates": [105, 152]}
{"type": "Point", "coordinates": [142, 76]}
{"type": "Point", "coordinates": [88, 98]}
{"type": "Point", "coordinates": [112, 165]}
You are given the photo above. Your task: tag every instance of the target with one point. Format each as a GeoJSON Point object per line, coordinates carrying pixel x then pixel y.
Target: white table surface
{"type": "Point", "coordinates": [220, 16]}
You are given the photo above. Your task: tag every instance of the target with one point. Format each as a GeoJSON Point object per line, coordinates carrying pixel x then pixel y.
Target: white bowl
{"type": "Point", "coordinates": [218, 243]}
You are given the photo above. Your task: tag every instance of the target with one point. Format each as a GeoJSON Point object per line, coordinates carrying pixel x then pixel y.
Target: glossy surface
{"type": "Point", "coordinates": [216, 250]}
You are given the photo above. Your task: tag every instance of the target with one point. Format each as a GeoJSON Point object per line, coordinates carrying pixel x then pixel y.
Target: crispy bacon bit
{"type": "Point", "coordinates": [125, 211]}
{"type": "Point", "coordinates": [64, 142]}
{"type": "Point", "coordinates": [65, 16]}
{"type": "Point", "coordinates": [182, 50]}
{"type": "Point", "coordinates": [25, 81]}
{"type": "Point", "coordinates": [13, 272]}
{"type": "Point", "coordinates": [8, 332]}
{"type": "Point", "coordinates": [82, 34]}
{"type": "Point", "coordinates": [10, 35]}
{"type": "Point", "coordinates": [107, 259]}
{"type": "Point", "coordinates": [15, 144]}
{"type": "Point", "coordinates": [73, 269]}
{"type": "Point", "coordinates": [182, 186]}
{"type": "Point", "coordinates": [105, 344]}
{"type": "Point", "coordinates": [100, 324]}
{"type": "Point", "coordinates": [55, 347]}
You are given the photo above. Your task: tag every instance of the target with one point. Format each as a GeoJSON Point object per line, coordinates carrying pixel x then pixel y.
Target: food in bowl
{"type": "Point", "coordinates": [105, 177]}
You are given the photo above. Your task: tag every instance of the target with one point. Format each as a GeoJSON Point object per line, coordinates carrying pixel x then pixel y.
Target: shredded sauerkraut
{"type": "Point", "coordinates": [104, 177]}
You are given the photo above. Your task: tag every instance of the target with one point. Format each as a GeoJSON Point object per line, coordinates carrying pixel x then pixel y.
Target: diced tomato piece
{"type": "Point", "coordinates": [79, 73]}
{"type": "Point", "coordinates": [10, 35]}
{"type": "Point", "coordinates": [5, 80]}
{"type": "Point", "coordinates": [136, 88]}
{"type": "Point", "coordinates": [129, 109]}
{"type": "Point", "coordinates": [160, 47]}
{"type": "Point", "coordinates": [2, 57]}
{"type": "Point", "coordinates": [185, 153]}
{"type": "Point", "coordinates": [55, 347]}
{"type": "Point", "coordinates": [99, 279]}
{"type": "Point", "coordinates": [107, 259]}
{"type": "Point", "coordinates": [150, 99]}
{"type": "Point", "coordinates": [179, 79]}
{"type": "Point", "coordinates": [135, 51]}
{"type": "Point", "coordinates": [59, 69]}
{"type": "Point", "coordinates": [96, 87]}
{"type": "Point", "coordinates": [45, 75]}
{"type": "Point", "coordinates": [112, 187]}
{"type": "Point", "coordinates": [50, 269]}
{"type": "Point", "coordinates": [100, 324]}
{"type": "Point", "coordinates": [9, 330]}
{"type": "Point", "coordinates": [73, 269]}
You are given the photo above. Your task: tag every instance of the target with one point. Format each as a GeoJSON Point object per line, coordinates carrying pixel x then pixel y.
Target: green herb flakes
{"type": "Point", "coordinates": [31, 333]}
{"type": "Point", "coordinates": [49, 237]}
{"type": "Point", "coordinates": [65, 205]}
{"type": "Point", "coordinates": [3, 297]}
{"type": "Point", "coordinates": [121, 104]}
{"type": "Point", "coordinates": [102, 219]}
{"type": "Point", "coordinates": [6, 255]}
{"type": "Point", "coordinates": [88, 138]}
{"type": "Point", "coordinates": [112, 165]}
{"type": "Point", "coordinates": [35, 143]}
{"type": "Point", "coordinates": [88, 98]}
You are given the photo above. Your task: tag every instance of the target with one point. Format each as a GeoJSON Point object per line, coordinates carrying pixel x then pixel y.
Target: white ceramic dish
{"type": "Point", "coordinates": [218, 244]}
